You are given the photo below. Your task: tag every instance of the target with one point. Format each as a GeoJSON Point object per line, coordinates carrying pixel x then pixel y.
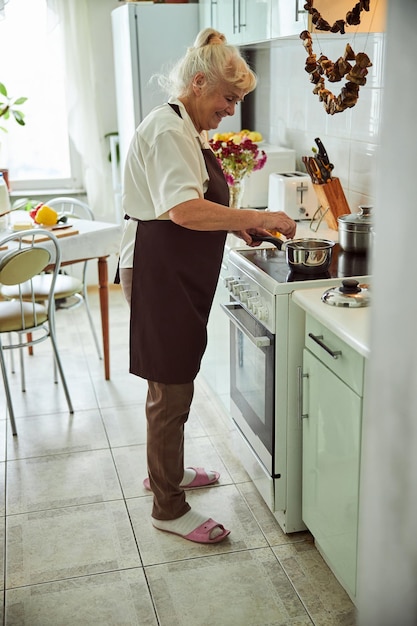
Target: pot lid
{"type": "Point", "coordinates": [364, 216]}
{"type": "Point", "coordinates": [349, 294]}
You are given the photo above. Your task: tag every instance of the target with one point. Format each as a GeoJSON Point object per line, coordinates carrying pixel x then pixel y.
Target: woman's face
{"type": "Point", "coordinates": [212, 105]}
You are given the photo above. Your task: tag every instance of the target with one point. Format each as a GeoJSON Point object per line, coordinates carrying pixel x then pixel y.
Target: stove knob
{"type": "Point", "coordinates": [227, 280]}
{"type": "Point", "coordinates": [253, 304]}
{"type": "Point", "coordinates": [232, 283]}
{"type": "Point", "coordinates": [247, 293]}
{"type": "Point", "coordinates": [262, 313]}
{"type": "Point", "coordinates": [237, 288]}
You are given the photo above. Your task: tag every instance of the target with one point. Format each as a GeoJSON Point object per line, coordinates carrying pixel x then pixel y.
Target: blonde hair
{"type": "Point", "coordinates": [216, 59]}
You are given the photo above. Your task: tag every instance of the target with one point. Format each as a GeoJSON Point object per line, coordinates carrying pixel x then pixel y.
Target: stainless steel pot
{"type": "Point", "coordinates": [304, 256]}
{"type": "Point", "coordinates": [355, 230]}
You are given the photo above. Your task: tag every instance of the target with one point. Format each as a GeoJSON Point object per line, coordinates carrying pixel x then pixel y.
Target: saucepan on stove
{"type": "Point", "coordinates": [355, 230]}
{"type": "Point", "coordinates": [306, 256]}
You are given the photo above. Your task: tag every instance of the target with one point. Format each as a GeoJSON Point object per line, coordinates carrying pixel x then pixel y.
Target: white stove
{"type": "Point", "coordinates": [266, 346]}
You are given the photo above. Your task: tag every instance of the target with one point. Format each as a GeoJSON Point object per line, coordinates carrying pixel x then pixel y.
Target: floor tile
{"type": "Point", "coordinates": [114, 599]}
{"type": "Point", "coordinates": [223, 504]}
{"type": "Point", "coordinates": [65, 543]}
{"type": "Point", "coordinates": [2, 555]}
{"type": "Point", "coordinates": [125, 425]}
{"type": "Point", "coordinates": [122, 390]}
{"type": "Point", "coordinates": [56, 434]}
{"type": "Point", "coordinates": [245, 588]}
{"type": "Point", "coordinates": [2, 490]}
{"type": "Point", "coordinates": [81, 548]}
{"type": "Point", "coordinates": [51, 482]}
{"type": "Point", "coordinates": [4, 425]}
{"type": "Point", "coordinates": [324, 598]}
{"type": "Point", "coordinates": [43, 396]}
{"type": "Point", "coordinates": [227, 448]}
{"type": "Point", "coordinates": [265, 518]}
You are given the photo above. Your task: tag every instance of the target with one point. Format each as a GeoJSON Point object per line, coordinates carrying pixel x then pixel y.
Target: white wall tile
{"type": "Point", "coordinates": [296, 116]}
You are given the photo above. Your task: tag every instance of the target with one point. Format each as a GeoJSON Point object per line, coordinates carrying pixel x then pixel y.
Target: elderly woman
{"type": "Point", "coordinates": [176, 202]}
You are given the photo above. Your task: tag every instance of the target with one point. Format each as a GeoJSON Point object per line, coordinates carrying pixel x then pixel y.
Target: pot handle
{"type": "Point", "coordinates": [274, 240]}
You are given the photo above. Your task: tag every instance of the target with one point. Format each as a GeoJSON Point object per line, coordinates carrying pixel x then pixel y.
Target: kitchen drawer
{"type": "Point", "coordinates": [348, 365]}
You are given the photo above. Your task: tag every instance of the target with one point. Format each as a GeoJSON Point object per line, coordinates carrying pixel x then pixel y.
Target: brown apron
{"type": "Point", "coordinates": [175, 274]}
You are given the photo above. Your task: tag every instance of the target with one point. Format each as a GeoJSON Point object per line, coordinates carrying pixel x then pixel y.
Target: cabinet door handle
{"type": "Point", "coordinates": [319, 340]}
{"type": "Point", "coordinates": [300, 413]}
{"type": "Point", "coordinates": [298, 11]}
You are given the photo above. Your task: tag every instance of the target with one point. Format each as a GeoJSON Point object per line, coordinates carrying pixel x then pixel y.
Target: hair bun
{"type": "Point", "coordinates": [216, 39]}
{"type": "Point", "coordinates": [209, 36]}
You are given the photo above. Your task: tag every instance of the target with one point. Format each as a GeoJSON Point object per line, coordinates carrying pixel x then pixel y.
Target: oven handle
{"type": "Point", "coordinates": [259, 342]}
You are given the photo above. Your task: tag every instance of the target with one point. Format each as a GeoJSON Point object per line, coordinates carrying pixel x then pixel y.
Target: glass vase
{"type": "Point", "coordinates": [236, 193]}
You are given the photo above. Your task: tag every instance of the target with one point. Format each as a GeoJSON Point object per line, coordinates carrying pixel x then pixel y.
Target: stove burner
{"type": "Point", "coordinates": [272, 261]}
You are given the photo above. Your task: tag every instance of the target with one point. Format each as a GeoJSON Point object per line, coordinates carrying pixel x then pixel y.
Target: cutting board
{"type": "Point", "coordinates": [332, 201]}
{"type": "Point", "coordinates": [58, 233]}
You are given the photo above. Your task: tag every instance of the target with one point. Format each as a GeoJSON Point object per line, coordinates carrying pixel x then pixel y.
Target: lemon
{"type": "Point", "coordinates": [46, 216]}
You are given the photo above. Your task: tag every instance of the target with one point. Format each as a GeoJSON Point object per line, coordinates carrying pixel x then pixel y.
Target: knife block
{"type": "Point", "coordinates": [332, 201]}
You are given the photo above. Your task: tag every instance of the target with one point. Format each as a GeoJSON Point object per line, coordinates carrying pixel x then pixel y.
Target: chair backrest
{"type": "Point", "coordinates": [20, 265]}
{"type": "Point", "coordinates": [26, 256]}
{"type": "Point", "coordinates": [72, 207]}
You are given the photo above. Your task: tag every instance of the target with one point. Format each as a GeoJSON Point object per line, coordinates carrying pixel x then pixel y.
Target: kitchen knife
{"type": "Point", "coordinates": [325, 171]}
{"type": "Point", "coordinates": [323, 158]}
{"type": "Point", "coordinates": [310, 171]}
{"type": "Point", "coordinates": [317, 171]}
{"type": "Point", "coordinates": [322, 152]}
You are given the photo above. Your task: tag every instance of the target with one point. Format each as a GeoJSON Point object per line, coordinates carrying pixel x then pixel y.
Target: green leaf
{"type": "Point", "coordinates": [18, 116]}
{"type": "Point", "coordinates": [20, 100]}
{"type": "Point", "coordinates": [3, 90]}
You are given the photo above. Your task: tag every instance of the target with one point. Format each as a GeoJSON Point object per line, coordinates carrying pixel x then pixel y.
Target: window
{"type": "Point", "coordinates": [38, 154]}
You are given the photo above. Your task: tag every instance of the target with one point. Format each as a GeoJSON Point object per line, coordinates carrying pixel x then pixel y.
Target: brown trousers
{"type": "Point", "coordinates": [167, 410]}
{"type": "Point", "coordinates": [126, 276]}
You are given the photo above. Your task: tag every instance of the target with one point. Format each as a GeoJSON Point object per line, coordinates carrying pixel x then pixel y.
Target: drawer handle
{"type": "Point", "coordinates": [319, 340]}
{"type": "Point", "coordinates": [300, 413]}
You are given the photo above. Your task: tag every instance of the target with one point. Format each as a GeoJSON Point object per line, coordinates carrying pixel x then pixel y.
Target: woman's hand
{"type": "Point", "coordinates": [274, 221]}
{"type": "Point", "coordinates": [278, 220]}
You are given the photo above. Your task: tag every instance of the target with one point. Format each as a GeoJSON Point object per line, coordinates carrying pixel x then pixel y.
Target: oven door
{"type": "Point", "coordinates": [252, 376]}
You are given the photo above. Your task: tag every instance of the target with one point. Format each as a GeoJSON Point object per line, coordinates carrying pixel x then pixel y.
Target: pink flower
{"type": "Point", "coordinates": [238, 159]}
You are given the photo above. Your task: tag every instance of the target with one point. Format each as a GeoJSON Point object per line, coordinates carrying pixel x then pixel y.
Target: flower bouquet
{"type": "Point", "coordinates": [238, 155]}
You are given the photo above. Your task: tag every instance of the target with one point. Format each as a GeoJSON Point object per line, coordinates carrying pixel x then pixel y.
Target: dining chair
{"type": "Point", "coordinates": [24, 320]}
{"type": "Point", "coordinates": [70, 291]}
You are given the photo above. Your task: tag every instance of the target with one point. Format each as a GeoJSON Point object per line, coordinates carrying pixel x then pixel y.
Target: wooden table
{"type": "Point", "coordinates": [95, 240]}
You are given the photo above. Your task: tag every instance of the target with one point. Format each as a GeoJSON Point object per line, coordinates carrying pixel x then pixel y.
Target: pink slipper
{"type": "Point", "coordinates": [200, 480]}
{"type": "Point", "coordinates": [201, 534]}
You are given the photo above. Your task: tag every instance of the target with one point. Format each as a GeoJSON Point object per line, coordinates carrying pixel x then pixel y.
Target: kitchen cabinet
{"type": "Point", "coordinates": [242, 21]}
{"type": "Point", "coordinates": [331, 408]}
{"type": "Point", "coordinates": [288, 17]}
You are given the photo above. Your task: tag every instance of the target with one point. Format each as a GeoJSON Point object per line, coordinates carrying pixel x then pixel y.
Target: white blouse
{"type": "Point", "coordinates": [164, 167]}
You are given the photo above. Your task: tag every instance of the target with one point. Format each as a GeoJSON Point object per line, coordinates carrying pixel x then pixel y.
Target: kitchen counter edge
{"type": "Point", "coordinates": [349, 324]}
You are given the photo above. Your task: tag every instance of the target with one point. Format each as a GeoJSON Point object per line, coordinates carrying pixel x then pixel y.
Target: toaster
{"type": "Point", "coordinates": [293, 193]}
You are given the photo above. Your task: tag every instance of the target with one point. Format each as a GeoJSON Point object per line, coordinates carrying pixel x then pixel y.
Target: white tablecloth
{"type": "Point", "coordinates": [95, 239]}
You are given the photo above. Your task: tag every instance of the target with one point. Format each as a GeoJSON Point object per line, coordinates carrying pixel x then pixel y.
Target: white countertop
{"type": "Point", "coordinates": [349, 324]}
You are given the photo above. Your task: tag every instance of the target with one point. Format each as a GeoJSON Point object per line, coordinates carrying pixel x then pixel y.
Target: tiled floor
{"type": "Point", "coordinates": [79, 548]}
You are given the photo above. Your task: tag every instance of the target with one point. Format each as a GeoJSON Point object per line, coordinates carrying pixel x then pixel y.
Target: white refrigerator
{"type": "Point", "coordinates": [147, 39]}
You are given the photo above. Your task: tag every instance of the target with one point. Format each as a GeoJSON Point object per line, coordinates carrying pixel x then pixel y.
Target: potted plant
{"type": "Point", "coordinates": [8, 109]}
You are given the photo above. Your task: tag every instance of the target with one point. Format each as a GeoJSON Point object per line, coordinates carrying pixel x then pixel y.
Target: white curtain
{"type": "Point", "coordinates": [86, 126]}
